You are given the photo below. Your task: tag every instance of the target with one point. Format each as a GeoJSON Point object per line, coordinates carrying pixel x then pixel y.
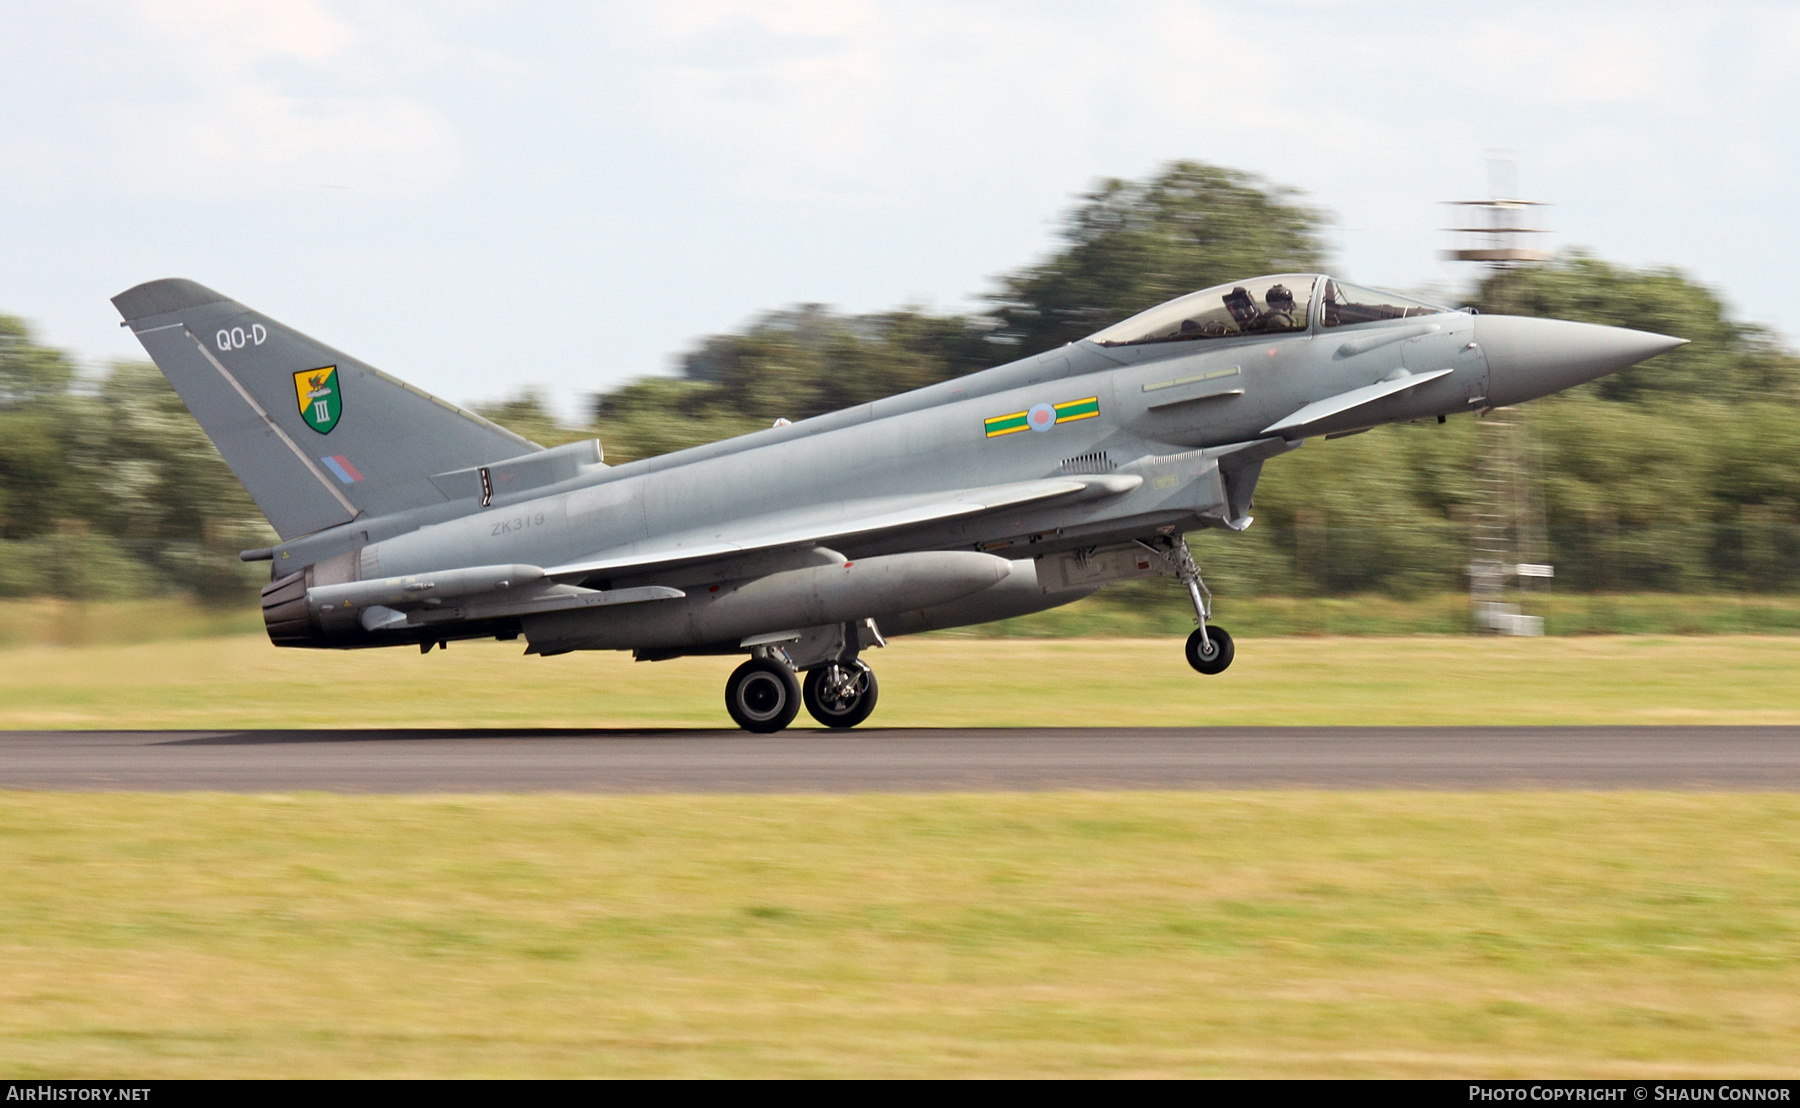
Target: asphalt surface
{"type": "Point", "coordinates": [906, 760]}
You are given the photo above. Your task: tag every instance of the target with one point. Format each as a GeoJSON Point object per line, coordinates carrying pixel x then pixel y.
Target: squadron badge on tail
{"type": "Point", "coordinates": [316, 390]}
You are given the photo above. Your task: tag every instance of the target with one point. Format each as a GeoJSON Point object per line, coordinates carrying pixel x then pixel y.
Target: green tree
{"type": "Point", "coordinates": [29, 373]}
{"type": "Point", "coordinates": [164, 491]}
{"type": "Point", "coordinates": [37, 423]}
{"type": "Point", "coordinates": [528, 413]}
{"type": "Point", "coordinates": [108, 488]}
{"type": "Point", "coordinates": [1678, 473]}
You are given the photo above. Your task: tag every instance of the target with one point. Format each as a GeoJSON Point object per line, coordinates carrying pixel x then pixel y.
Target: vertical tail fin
{"type": "Point", "coordinates": [317, 437]}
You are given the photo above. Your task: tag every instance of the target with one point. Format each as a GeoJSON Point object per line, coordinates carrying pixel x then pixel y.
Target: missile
{"type": "Point", "coordinates": [792, 599]}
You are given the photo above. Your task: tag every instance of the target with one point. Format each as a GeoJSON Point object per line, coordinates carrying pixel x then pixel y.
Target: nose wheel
{"type": "Point", "coordinates": [1209, 648]}
{"type": "Point", "coordinates": [841, 694]}
{"type": "Point", "coordinates": [762, 695]}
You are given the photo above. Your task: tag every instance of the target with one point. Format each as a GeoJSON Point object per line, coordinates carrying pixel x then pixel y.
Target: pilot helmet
{"type": "Point", "coordinates": [1279, 298]}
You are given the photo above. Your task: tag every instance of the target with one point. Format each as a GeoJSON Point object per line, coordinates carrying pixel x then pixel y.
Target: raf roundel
{"type": "Point", "coordinates": [1041, 417]}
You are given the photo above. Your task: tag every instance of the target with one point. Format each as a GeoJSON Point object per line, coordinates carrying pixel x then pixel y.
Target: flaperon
{"type": "Point", "coordinates": [405, 520]}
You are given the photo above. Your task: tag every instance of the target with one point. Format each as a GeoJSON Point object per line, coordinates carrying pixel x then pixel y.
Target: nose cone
{"type": "Point", "coordinates": [1535, 357]}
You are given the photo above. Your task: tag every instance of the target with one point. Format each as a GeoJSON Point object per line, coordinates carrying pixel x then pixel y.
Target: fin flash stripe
{"type": "Point", "coordinates": [1066, 412]}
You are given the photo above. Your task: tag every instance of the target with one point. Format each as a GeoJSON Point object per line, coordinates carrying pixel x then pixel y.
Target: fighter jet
{"type": "Point", "coordinates": [405, 520]}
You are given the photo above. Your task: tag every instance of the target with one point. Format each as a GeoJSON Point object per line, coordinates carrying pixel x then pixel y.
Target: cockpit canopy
{"type": "Point", "coordinates": [1264, 305]}
{"type": "Point", "coordinates": [1340, 305]}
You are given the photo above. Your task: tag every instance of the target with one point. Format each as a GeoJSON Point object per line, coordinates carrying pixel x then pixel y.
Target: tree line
{"type": "Point", "coordinates": [1681, 474]}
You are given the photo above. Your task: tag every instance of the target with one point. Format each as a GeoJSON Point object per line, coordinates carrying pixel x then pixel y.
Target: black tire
{"type": "Point", "coordinates": [762, 696]}
{"type": "Point", "coordinates": [831, 706]}
{"type": "Point", "coordinates": [1210, 661]}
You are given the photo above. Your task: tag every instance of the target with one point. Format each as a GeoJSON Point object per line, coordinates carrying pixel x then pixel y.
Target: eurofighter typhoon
{"type": "Point", "coordinates": [406, 521]}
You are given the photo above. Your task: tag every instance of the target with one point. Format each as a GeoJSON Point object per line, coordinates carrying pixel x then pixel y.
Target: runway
{"type": "Point", "coordinates": [905, 760]}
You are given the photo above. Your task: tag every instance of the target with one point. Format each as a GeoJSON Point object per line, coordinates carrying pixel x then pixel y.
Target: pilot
{"type": "Point", "coordinates": [1280, 316]}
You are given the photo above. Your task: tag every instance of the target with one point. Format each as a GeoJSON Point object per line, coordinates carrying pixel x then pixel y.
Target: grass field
{"type": "Point", "coordinates": [1148, 608]}
{"type": "Point", "coordinates": [1308, 934]}
{"type": "Point", "coordinates": [1131, 610]}
{"type": "Point", "coordinates": [1228, 933]}
{"type": "Point", "coordinates": [242, 681]}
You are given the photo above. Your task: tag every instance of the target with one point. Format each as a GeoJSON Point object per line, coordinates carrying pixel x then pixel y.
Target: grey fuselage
{"type": "Point", "coordinates": [1189, 420]}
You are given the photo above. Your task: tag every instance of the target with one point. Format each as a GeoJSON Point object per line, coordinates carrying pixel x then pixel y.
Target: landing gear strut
{"type": "Point", "coordinates": [1209, 648]}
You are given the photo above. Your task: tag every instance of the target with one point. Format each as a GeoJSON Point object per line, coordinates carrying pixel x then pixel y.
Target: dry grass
{"type": "Point", "coordinates": [47, 621]}
{"type": "Point", "coordinates": [1312, 934]}
{"type": "Point", "coordinates": [245, 682]}
{"type": "Point", "coordinates": [1143, 609]}
{"type": "Point", "coordinates": [1308, 934]}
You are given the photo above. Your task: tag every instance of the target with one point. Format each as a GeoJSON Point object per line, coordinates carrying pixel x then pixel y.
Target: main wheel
{"type": "Point", "coordinates": [839, 695]}
{"type": "Point", "coordinates": [762, 696]}
{"type": "Point", "coordinates": [1212, 654]}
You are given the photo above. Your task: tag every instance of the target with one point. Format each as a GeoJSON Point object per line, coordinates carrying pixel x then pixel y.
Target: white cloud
{"type": "Point", "coordinates": [861, 102]}
{"type": "Point", "coordinates": [829, 18]}
{"type": "Point", "coordinates": [250, 136]}
{"type": "Point", "coordinates": [1582, 60]}
{"type": "Point", "coordinates": [200, 100]}
{"type": "Point", "coordinates": [276, 101]}
{"type": "Point", "coordinates": [236, 33]}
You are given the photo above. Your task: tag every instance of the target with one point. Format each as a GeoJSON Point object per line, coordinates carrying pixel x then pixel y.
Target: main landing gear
{"type": "Point", "coordinates": [1209, 648]}
{"type": "Point", "coordinates": [841, 694]}
{"type": "Point", "coordinates": [764, 694]}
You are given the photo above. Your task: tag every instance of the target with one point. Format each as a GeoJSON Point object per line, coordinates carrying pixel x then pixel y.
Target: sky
{"type": "Point", "coordinates": [484, 197]}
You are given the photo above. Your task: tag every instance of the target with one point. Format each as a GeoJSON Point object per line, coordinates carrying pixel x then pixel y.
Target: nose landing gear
{"type": "Point", "coordinates": [1209, 648]}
